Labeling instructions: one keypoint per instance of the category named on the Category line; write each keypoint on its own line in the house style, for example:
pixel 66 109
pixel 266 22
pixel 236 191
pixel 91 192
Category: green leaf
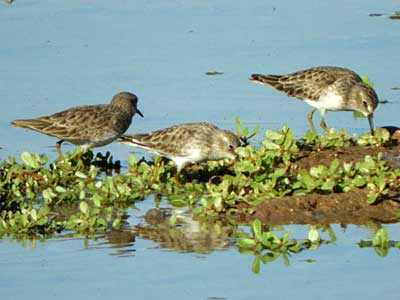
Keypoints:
pixel 34 214
pixel 256 226
pixel 269 257
pixel 247 243
pixel 381 237
pixel 313 234
pixel 238 123
pixel 332 234
pixel 48 195
pixel 328 185
pixel 84 207
pixel 60 189
pixel 29 161
pixel 79 174
pixel 273 135
pixel 269 238
pixel 270 145
pixel 285 258
pixel 172 221
pixel 97 199
pixel 381 182
pixel 116 223
pixel 255 267
pixel 372 197
pixel 359 181
pixel 347 167
pixel 334 165
pixel 382 251
pixel 285 237
pixel 317 171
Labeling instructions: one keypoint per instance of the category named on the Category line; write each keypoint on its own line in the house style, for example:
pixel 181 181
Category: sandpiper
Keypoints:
pixel 325 89
pixel 187 143
pixel 87 126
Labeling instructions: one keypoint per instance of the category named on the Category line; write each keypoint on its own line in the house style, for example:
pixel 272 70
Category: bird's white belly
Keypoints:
pixel 327 101
pixel 195 155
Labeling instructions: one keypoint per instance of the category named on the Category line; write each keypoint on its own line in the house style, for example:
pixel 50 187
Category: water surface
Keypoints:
pixel 55 55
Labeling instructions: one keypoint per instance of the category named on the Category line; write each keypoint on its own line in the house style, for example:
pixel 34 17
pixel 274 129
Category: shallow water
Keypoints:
pixel 68 268
pixel 58 55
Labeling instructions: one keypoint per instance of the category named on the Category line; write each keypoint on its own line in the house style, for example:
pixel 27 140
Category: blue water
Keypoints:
pixel 70 269
pixel 58 54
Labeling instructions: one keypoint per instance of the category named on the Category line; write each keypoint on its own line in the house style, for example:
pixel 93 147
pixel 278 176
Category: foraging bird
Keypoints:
pixel 326 89
pixel 187 143
pixel 87 126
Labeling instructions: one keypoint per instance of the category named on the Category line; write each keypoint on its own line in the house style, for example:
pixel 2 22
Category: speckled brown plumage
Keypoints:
pixel 326 89
pixel 88 126
pixel 310 83
pixel 184 143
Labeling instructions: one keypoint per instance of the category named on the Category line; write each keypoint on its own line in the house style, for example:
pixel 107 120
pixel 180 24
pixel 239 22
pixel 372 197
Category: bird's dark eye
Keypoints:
pixel 231 147
pixel 365 103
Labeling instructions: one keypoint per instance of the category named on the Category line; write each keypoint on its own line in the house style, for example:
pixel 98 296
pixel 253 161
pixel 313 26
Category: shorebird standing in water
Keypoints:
pixel 87 126
pixel 326 89
pixel 187 143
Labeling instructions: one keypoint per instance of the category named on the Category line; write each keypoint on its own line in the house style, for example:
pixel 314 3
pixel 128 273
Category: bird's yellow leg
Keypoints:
pixel 323 124
pixel 58 148
pixel 310 119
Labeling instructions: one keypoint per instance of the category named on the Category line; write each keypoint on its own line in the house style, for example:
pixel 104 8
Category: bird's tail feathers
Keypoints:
pixel 30 124
pixel 132 139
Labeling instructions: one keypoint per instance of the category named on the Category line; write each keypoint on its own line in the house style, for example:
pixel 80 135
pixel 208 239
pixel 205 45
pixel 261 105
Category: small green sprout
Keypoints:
pixel 244 133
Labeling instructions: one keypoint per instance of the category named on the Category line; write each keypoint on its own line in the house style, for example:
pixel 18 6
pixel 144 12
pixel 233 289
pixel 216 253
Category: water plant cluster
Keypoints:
pixel 267 247
pixel 42 198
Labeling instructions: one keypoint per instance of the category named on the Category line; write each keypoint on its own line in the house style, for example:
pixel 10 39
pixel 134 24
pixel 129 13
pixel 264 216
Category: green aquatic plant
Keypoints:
pixel 381 242
pixel 88 195
pixel 32 184
pixel 244 133
pixel 333 139
pixel 271 171
pixel 266 246
pixel 380 138
pixel 213 73
pixel 395 16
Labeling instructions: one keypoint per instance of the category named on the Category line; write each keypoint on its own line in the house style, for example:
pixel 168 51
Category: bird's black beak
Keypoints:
pixel 139 112
pixel 371 123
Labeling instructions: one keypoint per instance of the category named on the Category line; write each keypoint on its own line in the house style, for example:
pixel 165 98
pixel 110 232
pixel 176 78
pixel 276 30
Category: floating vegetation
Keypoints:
pixel 381 242
pixel 267 247
pixel 376 14
pixel 38 198
pixel 395 16
pixel 213 73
